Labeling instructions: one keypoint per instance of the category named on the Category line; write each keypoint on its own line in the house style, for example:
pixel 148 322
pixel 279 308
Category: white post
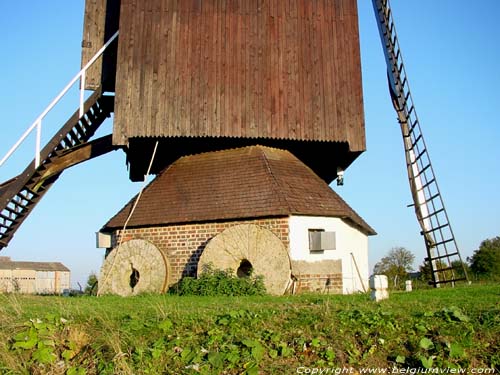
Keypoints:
pixel 38 141
pixel 409 286
pixel 379 285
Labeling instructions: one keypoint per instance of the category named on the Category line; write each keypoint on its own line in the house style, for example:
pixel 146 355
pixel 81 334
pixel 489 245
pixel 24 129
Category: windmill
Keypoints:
pixel 203 76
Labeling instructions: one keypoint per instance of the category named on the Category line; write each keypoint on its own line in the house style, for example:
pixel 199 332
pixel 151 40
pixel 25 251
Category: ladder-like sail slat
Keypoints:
pixel 442 249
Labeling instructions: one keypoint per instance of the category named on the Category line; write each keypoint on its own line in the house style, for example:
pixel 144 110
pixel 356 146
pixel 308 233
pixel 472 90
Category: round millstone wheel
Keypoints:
pixel 250 249
pixel 134 267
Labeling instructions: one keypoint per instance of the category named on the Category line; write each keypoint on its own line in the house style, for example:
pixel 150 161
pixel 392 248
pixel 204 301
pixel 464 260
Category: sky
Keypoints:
pixel 451 53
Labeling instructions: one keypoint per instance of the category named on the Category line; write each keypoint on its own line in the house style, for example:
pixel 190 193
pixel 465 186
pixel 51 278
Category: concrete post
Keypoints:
pixel 409 286
pixel 378 286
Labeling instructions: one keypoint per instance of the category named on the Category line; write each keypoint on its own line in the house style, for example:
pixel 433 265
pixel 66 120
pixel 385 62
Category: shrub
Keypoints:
pixel 215 282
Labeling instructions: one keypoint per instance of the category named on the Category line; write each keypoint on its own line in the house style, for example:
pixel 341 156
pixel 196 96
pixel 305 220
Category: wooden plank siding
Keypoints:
pixel 93 39
pixel 269 69
pixel 100 22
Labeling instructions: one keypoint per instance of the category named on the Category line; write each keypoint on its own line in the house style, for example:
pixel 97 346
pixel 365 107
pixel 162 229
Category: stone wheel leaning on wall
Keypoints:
pixel 249 247
pixel 134 267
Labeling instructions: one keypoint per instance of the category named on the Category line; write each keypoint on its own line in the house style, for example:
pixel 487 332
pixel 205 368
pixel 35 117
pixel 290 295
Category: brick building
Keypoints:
pixel 200 197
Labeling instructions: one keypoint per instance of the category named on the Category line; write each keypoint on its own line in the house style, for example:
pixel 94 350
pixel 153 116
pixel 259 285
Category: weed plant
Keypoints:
pixel 167 334
pixel 215 282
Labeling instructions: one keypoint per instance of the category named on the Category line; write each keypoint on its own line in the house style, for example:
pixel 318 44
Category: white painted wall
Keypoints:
pixel 348 240
pixel 31 281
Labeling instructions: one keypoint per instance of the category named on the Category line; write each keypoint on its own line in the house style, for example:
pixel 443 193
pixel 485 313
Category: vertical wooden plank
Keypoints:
pixel 167 72
pixel 162 65
pixel 243 67
pixel 206 48
pixel 171 90
pixel 295 97
pixel 316 75
pixel 239 68
pixel 213 67
pixel 215 129
pixel 257 70
pixel 293 104
pixel 186 58
pixel 193 64
pixel 181 68
pixel 265 58
pixel 227 125
pixel 348 92
pixel 322 66
pixel 252 72
pixel 138 52
pixel 339 80
pixel 121 100
pixel 154 50
pixel 124 68
pixel 301 67
pixel 274 74
pixel 282 69
pixel 233 94
pixel 251 83
pixel 195 76
pixel 359 141
pixel 222 66
pixel 330 100
pixel 309 76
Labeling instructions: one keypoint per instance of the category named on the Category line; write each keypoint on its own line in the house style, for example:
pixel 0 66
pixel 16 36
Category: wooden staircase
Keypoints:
pixel 69 146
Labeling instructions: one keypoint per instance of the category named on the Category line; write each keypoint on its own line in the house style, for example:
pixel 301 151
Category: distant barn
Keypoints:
pixel 33 277
pixel 203 75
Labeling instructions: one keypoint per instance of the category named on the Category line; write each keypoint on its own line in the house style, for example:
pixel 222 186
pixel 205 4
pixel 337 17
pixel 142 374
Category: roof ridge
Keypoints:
pixel 276 184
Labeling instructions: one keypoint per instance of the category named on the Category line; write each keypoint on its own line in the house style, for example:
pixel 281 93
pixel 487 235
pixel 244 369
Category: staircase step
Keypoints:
pixel 76 131
pixel 11 210
pixel 78 128
pixel 74 137
pixel 7 218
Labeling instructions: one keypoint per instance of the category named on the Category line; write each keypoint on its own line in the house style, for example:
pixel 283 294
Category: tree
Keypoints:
pixel 486 260
pixel 91 287
pixel 395 265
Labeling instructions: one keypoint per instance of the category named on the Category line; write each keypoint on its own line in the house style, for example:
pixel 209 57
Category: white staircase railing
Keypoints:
pixel 37 124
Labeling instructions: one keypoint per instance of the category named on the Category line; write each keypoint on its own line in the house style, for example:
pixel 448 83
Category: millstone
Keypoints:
pixel 136 266
pixel 244 244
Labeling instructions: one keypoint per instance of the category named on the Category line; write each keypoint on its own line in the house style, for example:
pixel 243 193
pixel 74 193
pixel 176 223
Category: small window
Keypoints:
pixel 320 240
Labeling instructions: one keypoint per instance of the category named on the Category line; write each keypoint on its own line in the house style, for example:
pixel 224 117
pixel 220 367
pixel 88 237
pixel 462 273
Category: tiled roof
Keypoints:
pixel 33 266
pixel 248 182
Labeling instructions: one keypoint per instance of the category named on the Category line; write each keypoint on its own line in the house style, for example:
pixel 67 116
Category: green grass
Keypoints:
pixel 155 334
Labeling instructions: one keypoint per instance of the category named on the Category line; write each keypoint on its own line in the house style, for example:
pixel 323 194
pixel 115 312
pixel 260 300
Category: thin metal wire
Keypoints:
pixel 122 231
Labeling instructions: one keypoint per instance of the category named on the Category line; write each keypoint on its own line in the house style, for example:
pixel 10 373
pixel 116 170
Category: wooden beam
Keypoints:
pixel 78 155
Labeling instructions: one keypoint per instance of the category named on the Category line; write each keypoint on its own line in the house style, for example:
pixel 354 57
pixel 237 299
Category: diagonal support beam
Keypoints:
pixel 79 154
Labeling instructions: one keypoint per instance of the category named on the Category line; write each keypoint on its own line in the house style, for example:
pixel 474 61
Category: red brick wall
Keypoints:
pixel 331 283
pixel 183 244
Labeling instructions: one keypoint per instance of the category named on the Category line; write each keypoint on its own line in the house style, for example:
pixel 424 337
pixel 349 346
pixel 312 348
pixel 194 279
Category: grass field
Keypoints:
pixel 153 334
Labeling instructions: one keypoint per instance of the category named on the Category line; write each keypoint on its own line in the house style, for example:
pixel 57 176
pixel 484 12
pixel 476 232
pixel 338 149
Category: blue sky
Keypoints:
pixel 451 52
